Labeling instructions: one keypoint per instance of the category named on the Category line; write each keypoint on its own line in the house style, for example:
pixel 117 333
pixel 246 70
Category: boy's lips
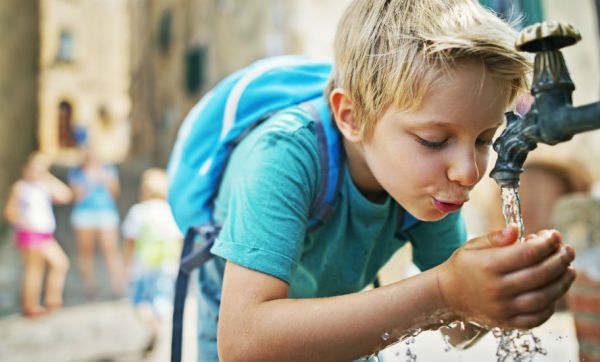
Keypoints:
pixel 447 206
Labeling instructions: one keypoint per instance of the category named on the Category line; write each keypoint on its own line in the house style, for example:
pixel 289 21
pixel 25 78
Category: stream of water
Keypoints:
pixel 515 345
pixel 511 209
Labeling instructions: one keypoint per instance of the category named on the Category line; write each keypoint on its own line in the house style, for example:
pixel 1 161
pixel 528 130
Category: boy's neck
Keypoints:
pixel 361 174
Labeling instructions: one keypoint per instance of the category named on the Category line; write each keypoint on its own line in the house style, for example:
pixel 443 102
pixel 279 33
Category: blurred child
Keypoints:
pixel 151 251
pixel 29 210
pixel 95 218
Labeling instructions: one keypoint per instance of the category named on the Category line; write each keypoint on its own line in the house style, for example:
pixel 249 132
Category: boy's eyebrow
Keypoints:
pixel 438 123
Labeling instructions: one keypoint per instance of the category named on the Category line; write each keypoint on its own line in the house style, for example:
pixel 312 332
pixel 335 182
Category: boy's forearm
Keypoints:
pixel 338 328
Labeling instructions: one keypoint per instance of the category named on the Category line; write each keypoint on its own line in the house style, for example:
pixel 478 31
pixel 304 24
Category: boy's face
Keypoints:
pixel 429 159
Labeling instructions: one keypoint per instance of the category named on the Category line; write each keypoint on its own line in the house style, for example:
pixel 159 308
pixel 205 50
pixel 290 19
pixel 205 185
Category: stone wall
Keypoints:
pixel 231 33
pixel 226 34
pixel 18 87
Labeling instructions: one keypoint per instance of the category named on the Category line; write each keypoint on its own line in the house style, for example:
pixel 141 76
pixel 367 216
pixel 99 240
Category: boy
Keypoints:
pixel 418 91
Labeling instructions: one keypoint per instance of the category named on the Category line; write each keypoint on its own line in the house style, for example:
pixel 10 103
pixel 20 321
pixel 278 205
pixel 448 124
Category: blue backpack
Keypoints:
pixel 216 125
pixel 230 111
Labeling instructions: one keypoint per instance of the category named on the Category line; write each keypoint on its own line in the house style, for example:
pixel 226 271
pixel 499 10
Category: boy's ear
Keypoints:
pixel 341 107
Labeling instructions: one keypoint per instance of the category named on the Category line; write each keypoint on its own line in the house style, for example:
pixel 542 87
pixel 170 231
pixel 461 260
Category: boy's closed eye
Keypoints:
pixel 435 145
pixel 484 140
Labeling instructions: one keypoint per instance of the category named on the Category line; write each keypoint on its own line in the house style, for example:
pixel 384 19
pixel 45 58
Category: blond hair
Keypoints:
pixel 390 52
pixel 154 184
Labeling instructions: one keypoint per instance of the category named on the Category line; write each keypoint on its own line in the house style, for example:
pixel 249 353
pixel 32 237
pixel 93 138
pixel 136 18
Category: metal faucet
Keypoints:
pixel 552 118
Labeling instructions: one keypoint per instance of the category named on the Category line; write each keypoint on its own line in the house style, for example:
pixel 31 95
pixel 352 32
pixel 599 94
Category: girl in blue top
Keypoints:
pixel 95 218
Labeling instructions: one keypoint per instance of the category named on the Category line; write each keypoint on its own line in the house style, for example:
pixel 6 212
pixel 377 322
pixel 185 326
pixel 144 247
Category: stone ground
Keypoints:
pixel 99 332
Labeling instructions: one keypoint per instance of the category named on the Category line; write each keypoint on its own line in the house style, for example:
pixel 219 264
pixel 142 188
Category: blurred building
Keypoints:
pixel 19 32
pixel 127 72
pixel 181 48
pixel 84 78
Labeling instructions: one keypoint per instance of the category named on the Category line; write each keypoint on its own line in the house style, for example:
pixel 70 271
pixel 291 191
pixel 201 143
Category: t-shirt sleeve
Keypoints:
pixel 268 187
pixel 434 242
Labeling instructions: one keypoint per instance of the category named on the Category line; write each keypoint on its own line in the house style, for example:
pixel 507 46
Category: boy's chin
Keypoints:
pixel 429 215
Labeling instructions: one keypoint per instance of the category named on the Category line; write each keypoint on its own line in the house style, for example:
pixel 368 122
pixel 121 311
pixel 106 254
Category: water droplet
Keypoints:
pixel 518 346
pixel 386 336
pixel 411 357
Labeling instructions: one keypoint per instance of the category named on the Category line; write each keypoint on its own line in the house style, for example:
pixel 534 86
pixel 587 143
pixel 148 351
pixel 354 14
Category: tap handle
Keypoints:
pixel 548 35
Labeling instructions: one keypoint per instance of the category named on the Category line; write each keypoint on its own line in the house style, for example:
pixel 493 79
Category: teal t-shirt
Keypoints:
pixel 263 205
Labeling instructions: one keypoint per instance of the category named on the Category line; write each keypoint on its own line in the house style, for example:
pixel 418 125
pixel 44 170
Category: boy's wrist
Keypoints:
pixel 437 313
pixel 442 279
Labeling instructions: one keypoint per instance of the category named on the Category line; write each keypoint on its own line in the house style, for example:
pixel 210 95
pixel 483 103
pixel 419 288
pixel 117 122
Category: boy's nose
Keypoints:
pixel 464 170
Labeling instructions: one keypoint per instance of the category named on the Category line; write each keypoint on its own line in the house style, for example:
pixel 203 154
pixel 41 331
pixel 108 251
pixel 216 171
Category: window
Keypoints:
pixel 65 128
pixel 65 47
pixel 195 64
pixel 165 32
pixel 598 12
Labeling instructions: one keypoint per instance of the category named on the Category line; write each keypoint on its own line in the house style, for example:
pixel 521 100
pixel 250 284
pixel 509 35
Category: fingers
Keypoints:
pixel 533 236
pixel 536 300
pixel 498 238
pixel 532 320
pixel 527 254
pixel 541 274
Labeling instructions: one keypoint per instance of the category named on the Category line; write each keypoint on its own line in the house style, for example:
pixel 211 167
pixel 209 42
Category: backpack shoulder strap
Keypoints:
pixel 332 160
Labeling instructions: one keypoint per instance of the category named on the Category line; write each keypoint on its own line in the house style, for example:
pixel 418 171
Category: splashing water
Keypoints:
pixel 411 357
pixel 518 346
pixel 515 345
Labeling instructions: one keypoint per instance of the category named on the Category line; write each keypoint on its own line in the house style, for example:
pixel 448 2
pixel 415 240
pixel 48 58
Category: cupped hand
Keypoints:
pixel 495 281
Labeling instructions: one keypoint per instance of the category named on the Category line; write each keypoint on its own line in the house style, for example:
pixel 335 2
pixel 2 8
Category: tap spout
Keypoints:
pixel 520 136
pixel 553 118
